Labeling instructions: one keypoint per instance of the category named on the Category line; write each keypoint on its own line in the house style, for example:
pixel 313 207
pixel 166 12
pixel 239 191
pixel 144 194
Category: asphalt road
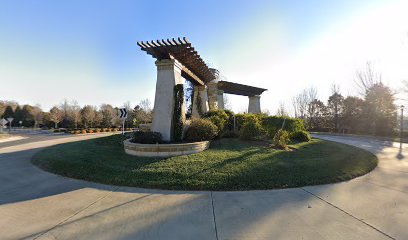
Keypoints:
pixel 38 205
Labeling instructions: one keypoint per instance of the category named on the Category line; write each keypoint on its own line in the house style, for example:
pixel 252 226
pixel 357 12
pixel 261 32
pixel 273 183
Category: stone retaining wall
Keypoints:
pixel 164 150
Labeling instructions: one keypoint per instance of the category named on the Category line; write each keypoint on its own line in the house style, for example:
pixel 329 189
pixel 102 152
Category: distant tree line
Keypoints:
pixel 71 115
pixel 373 113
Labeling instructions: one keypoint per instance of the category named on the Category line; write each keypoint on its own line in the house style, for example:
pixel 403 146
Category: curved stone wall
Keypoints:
pixel 164 150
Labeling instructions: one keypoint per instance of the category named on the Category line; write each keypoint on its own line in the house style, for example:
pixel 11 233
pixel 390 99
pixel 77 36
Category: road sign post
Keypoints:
pixel 10 120
pixel 123 115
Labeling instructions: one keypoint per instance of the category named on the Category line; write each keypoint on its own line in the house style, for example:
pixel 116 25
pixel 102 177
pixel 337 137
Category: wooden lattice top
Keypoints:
pixel 194 68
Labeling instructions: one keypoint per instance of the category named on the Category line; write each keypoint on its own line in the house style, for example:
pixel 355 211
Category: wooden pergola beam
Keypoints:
pixel 182 51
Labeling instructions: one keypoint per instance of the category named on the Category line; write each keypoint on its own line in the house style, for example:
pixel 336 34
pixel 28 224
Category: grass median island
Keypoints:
pixel 230 164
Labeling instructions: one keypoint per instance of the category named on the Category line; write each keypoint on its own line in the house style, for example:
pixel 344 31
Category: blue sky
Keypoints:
pixel 87 51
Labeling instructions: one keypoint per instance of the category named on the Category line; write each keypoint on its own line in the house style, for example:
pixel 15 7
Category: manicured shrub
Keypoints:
pixel 229 125
pixel 251 130
pixel 300 136
pixel 281 139
pixel 77 131
pixel 115 129
pixel 273 123
pixel 97 130
pixel 201 130
pixel 219 118
pixel 146 137
pixel 242 118
pixel 90 131
pixel 83 131
pixel 219 123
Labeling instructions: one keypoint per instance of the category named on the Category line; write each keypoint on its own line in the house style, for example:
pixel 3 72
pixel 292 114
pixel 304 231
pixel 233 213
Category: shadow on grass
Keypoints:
pixel 230 165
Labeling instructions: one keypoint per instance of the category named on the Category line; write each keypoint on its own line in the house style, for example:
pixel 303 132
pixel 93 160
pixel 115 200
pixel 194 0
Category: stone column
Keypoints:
pixel 212 95
pixel 168 75
pixel 202 92
pixel 220 100
pixel 254 105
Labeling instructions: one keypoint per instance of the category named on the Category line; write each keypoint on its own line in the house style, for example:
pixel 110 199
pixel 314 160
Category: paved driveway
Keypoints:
pixel 38 205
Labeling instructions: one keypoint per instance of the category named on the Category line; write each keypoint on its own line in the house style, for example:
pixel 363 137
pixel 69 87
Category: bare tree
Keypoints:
pixel 282 110
pixel 405 88
pixel 301 102
pixel 88 115
pixel 74 112
pixel 56 115
pixel 367 78
pixel 145 105
pixel 295 107
pixel 37 114
pixel 227 103
pixel 98 118
pixel 335 106
pixel 108 115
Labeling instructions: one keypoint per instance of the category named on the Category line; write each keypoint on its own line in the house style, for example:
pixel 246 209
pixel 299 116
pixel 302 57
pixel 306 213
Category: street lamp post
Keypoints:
pixel 402 122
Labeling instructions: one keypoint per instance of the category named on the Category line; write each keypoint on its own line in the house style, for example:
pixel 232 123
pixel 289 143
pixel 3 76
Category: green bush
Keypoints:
pixel 219 118
pixel 201 130
pixel 300 136
pixel 229 125
pixel 281 139
pixel 242 118
pixel 146 137
pixel 230 134
pixel 273 123
pixel 251 130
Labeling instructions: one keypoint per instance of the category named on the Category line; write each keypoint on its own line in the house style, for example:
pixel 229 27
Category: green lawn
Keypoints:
pixel 230 164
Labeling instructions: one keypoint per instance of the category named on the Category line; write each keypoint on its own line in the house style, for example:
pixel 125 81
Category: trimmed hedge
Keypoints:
pixel 242 118
pixel 146 137
pixel 251 130
pixel 300 136
pixel 201 130
pixel 219 118
pixel 272 124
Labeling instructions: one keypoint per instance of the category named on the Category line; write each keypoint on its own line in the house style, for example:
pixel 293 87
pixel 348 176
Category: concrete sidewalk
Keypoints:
pixel 39 205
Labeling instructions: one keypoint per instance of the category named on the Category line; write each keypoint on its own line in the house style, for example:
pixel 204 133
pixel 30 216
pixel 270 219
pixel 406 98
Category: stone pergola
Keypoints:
pixel 177 59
